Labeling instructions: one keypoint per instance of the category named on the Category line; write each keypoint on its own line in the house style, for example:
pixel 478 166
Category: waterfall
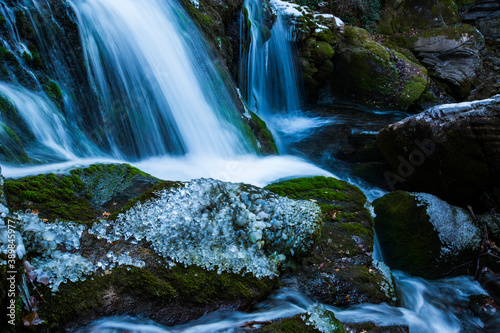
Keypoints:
pixel 55 138
pixel 160 91
pixel 271 83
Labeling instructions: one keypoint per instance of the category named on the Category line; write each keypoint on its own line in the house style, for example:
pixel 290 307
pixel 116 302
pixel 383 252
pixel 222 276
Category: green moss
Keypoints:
pixel 263 135
pixel 54 92
pixel 299 323
pixel 157 287
pixel 11 148
pixel 409 240
pixel 56 197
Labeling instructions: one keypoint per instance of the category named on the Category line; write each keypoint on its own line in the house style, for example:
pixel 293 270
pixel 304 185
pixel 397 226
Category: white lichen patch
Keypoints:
pixel 224 226
pixel 455 227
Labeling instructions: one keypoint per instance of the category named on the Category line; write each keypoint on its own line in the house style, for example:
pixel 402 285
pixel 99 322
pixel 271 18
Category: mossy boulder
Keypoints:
pixel 371 74
pixel 83 195
pixel 339 270
pixel 424 236
pixel 449 151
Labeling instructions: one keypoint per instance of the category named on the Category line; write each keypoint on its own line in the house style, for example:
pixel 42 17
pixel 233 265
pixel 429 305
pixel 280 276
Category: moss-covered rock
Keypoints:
pixel 165 295
pixel 409 15
pixel 424 236
pixel 369 73
pixel 11 148
pixel 83 196
pixel 263 136
pixel 339 270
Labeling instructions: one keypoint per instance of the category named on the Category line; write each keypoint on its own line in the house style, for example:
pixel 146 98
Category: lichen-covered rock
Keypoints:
pixel 451 151
pixel 370 73
pixel 424 236
pixel 339 270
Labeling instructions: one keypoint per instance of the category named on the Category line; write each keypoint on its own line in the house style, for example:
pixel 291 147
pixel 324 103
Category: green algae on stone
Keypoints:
pixel 339 270
pixel 155 292
pixel 263 135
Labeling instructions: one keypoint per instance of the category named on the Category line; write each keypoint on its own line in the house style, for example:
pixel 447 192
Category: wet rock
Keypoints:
pixel 424 236
pixel 372 74
pixel 487 89
pixel 452 55
pixel 339 270
pixel 84 195
pixel 316 319
pixel 451 151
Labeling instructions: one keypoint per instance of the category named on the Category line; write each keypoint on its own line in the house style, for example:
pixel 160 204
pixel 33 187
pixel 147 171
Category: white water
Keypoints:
pixel 47 124
pixel 148 62
pixel 250 169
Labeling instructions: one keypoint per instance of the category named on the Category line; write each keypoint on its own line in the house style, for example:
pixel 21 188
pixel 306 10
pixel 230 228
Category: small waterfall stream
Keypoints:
pixel 161 93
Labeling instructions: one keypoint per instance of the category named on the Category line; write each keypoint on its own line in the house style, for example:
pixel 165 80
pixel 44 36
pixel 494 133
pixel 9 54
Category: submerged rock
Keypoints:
pixel 424 236
pixel 340 269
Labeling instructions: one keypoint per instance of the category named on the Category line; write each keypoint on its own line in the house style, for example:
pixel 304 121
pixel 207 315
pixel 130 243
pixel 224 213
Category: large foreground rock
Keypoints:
pixel 424 236
pixel 452 151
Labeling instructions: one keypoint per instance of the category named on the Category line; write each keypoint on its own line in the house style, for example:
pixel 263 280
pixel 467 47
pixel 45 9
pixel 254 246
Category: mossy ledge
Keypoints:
pixel 83 195
pixel 165 295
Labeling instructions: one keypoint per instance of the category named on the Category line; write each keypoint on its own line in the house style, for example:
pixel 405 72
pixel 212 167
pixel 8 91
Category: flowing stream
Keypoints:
pixel 164 104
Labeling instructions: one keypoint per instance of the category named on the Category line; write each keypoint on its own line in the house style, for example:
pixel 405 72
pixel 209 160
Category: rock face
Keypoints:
pixel 452 151
pixel 369 73
pixel 452 54
pixel 423 235
pixel 485 15
pixel 339 270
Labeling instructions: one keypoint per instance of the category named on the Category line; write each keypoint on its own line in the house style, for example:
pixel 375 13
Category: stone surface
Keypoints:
pixel 369 73
pixel 339 270
pixel 424 236
pixel 452 151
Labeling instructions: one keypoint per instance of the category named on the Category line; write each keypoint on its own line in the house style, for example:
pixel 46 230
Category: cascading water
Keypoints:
pixel 160 91
pixel 271 80
pixel 50 129
pixel 272 75
pixel 438 307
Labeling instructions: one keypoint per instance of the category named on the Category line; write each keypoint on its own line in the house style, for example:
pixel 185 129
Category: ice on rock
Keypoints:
pixel 219 225
pixel 455 227
pixel 321 319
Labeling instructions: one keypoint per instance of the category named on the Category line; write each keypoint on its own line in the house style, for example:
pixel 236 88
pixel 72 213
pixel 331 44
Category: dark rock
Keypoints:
pixel 452 55
pixel 452 151
pixel 487 89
